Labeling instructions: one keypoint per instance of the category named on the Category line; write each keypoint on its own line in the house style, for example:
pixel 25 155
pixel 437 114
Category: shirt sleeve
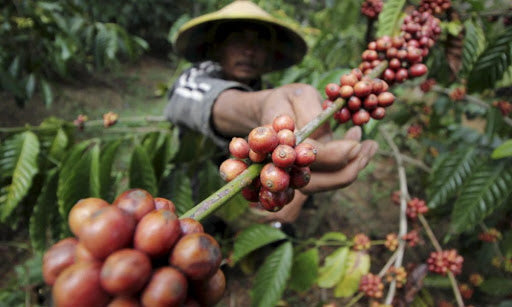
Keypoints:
pixel 192 97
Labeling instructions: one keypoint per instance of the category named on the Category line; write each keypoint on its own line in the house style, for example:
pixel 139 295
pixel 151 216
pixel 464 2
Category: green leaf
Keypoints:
pixel 503 151
pixel 47 92
pixel 181 191
pixel 333 236
pixel 30 86
pixel 492 63
pixel 79 176
pixel 389 18
pixel 304 270
pixel 474 45
pixel 209 179
pixel 483 192
pixel 162 155
pixel 497 286
pixel 254 237
pixel 448 175
pixel 58 146
pixel 44 210
pixel 142 175
pixel 358 264
pixel 233 208
pixel 270 281
pixel 18 160
pixel 334 268
pixel 108 155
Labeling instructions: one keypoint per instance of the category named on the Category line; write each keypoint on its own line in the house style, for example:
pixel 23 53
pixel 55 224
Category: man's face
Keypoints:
pixel 243 55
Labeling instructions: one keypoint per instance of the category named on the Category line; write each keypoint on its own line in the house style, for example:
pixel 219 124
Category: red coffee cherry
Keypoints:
pixel 395 64
pixel 231 168
pixel 379 86
pixel 59 257
pixel 283 156
pixel 306 154
pixel 209 292
pixel 79 286
pixel 286 137
pixel 362 89
pixel 163 203
pixel 257 157
pixel 189 225
pixel 391 53
pixel 283 122
pixel 251 192
pixel 349 79
pixel 167 287
pixel 418 69
pixel 157 232
pixel 401 75
pixel 299 176
pixel 357 72
pixel 274 201
pixel 197 255
pixel 124 301
pixel 346 91
pixel 263 139
pixel 82 210
pixel 239 148
pixel 125 272
pixel 82 254
pixel 371 285
pixel 378 113
pixel 137 202
pixel 274 178
pixel 325 104
pixel 388 75
pixel 343 115
pixel 386 99
pixel 361 117
pixel 107 230
pixel 354 103
pixel 332 90
pixel 370 102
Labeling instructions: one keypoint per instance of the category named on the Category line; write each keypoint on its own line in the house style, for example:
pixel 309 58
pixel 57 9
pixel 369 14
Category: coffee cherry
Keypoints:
pixel 401 75
pixel 444 261
pixel 306 154
pixel 197 255
pixel 361 242
pixel 81 211
pixel 391 242
pixel 274 178
pixel 124 301
pixel 231 168
pixel 326 104
pixel 370 102
pixel 157 232
pixel 378 113
pixel 283 156
pixel 389 75
pixel 162 203
pixel 299 176
pixel 371 285
pixel 348 79
pixel 346 91
pixel 189 225
pixel 283 122
pixel 357 72
pixel 137 202
pixel 257 157
pixel 386 99
pixel 239 148
pixel 82 254
pixel 209 292
pixel 343 115
pixel 55 260
pixel 416 206
pixel 251 192
pixel 274 201
pixel 332 90
pixel 360 117
pixel 263 139
pixel 362 89
pixel 418 69
pixel 286 137
pixel 125 272
pixel 167 287
pixel 379 86
pixel 394 64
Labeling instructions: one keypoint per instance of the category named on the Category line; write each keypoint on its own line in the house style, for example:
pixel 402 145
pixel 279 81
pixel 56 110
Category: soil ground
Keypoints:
pixel 363 207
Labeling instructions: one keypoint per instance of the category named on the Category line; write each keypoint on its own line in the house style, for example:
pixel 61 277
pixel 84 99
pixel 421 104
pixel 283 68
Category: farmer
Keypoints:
pixel 222 95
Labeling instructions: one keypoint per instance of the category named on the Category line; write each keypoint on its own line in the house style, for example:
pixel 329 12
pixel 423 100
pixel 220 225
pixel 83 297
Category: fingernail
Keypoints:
pixel 354 151
pixel 363 162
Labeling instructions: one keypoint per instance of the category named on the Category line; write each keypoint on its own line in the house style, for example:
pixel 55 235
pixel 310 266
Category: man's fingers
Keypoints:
pixel 353 133
pixel 335 154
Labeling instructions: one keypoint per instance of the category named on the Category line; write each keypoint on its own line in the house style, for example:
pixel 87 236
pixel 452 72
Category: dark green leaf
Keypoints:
pixel 483 192
pixel 30 86
pixel 304 270
pixel 474 44
pixel 503 151
pixel 270 281
pixel 492 63
pixel 142 175
pixel 334 268
pixel 209 179
pixel 46 207
pixel 18 160
pixel 497 286
pixel 47 92
pixel 334 236
pixel 233 208
pixel 254 237
pixel 449 173
pixel 181 191
pixel 108 156
pixel 389 18
pixel 162 155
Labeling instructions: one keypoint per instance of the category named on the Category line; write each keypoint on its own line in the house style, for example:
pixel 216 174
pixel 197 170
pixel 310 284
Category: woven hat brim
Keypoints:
pixel 194 38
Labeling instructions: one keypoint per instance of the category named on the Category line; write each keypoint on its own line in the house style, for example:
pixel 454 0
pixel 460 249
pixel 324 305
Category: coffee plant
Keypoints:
pixel 398 86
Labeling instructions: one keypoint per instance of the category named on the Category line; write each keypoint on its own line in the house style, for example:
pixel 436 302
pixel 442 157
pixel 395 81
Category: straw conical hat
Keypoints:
pixel 196 35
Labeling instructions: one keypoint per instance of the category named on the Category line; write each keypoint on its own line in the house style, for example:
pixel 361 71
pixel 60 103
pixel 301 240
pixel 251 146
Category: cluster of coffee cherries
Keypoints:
pixel 371 8
pixel 286 163
pixel 434 7
pixel 391 242
pixel 491 235
pixel 361 242
pixel 371 285
pixel 110 119
pixel 79 122
pixel 458 93
pixel 399 275
pixel 412 238
pixel 505 107
pixel 445 261
pixel 415 207
pixel 427 85
pixel 133 252
pixel 365 98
